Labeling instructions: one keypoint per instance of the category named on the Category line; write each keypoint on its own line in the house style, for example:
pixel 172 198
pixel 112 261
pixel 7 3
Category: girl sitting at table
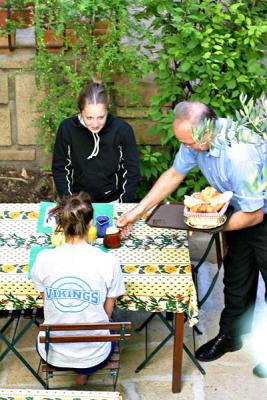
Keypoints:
pixel 77 267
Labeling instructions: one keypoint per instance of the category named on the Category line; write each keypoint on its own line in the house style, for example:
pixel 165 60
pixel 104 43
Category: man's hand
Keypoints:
pixel 164 186
pixel 129 218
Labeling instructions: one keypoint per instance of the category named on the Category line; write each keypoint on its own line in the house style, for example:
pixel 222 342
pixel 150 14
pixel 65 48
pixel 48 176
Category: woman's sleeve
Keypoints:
pixel 61 164
pixel 130 165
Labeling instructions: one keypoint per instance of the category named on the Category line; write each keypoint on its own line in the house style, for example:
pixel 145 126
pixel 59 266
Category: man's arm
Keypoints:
pixel 241 219
pixel 164 186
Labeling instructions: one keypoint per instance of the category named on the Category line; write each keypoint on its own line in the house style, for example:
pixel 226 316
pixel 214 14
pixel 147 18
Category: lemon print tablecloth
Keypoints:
pixel 24 394
pixel 155 264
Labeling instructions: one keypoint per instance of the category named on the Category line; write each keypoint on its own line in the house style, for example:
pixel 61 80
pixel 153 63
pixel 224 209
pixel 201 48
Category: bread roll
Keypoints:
pixel 208 193
pixel 190 201
pixel 216 203
pixel 203 208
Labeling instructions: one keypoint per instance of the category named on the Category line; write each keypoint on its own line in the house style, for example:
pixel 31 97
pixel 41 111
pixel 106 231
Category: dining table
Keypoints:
pixel 155 264
pixel 29 394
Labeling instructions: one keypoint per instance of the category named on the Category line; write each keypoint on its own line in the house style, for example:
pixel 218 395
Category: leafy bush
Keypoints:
pixel 88 51
pixel 204 50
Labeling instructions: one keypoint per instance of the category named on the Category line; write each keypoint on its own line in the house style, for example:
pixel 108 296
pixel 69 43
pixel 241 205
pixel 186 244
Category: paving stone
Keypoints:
pixel 160 390
pixel 234 380
pixel 18 374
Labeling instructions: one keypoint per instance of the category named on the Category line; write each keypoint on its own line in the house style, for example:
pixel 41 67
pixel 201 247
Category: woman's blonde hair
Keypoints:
pixel 94 93
pixel 73 214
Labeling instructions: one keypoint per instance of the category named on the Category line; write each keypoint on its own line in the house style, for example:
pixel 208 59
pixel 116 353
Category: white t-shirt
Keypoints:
pixel 76 280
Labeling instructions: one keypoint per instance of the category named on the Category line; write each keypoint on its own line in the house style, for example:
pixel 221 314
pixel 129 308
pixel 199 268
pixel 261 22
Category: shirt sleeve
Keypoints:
pixel 61 163
pixel 185 160
pixel 116 287
pixel 240 174
pixel 130 165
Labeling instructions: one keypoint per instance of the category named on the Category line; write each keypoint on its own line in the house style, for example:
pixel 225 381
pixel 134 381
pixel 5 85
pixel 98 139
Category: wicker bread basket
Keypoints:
pixel 205 220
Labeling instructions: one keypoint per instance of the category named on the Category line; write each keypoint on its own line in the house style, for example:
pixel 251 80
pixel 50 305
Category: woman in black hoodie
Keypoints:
pixel 96 152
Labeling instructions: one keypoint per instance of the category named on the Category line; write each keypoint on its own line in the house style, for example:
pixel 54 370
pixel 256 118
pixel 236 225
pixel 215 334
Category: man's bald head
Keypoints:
pixel 193 112
pixel 189 115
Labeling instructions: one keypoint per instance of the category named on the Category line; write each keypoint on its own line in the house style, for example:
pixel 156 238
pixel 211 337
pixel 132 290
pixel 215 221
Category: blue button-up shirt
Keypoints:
pixel 228 168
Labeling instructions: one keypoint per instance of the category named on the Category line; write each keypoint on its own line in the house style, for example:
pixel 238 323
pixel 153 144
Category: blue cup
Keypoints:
pixel 102 223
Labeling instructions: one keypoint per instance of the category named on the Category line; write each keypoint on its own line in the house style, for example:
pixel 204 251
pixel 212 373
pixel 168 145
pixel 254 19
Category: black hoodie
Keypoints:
pixel 105 165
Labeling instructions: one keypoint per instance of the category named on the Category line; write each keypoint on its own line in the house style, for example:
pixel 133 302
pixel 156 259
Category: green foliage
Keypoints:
pixel 14 17
pixel 89 51
pixel 155 163
pixel 209 51
pixel 253 115
pixel 204 50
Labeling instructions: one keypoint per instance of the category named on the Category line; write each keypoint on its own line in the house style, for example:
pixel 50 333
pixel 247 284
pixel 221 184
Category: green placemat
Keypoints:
pixel 34 250
pixel 101 247
pixel 99 209
pixel 104 209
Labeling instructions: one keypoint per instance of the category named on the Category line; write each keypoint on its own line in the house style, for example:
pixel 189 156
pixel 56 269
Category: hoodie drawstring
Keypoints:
pixel 96 146
pixel 96 140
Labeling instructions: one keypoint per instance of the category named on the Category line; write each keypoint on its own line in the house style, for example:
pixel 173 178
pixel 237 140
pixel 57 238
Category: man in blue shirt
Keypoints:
pixel 226 166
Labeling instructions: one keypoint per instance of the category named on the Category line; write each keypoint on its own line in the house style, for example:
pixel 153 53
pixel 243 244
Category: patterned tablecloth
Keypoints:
pixel 155 264
pixel 29 394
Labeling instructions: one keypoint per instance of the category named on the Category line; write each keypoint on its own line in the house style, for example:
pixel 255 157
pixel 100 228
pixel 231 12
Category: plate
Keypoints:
pixel 223 220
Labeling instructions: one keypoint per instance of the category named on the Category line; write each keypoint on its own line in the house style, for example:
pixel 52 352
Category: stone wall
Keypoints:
pixel 17 134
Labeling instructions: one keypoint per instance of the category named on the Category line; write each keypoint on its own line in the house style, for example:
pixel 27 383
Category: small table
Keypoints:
pixel 26 394
pixel 155 264
pixel 171 215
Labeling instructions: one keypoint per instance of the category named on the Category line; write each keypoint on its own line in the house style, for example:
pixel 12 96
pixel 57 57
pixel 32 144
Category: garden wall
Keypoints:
pixel 17 133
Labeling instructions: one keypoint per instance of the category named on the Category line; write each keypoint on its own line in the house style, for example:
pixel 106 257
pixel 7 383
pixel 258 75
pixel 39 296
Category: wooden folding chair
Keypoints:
pixel 119 336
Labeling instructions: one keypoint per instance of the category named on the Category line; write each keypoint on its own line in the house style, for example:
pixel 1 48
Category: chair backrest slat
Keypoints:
pixel 89 338
pixel 79 327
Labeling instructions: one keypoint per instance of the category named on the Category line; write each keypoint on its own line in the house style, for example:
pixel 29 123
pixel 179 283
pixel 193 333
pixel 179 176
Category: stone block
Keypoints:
pixel 17 155
pixel 3 88
pixel 132 112
pixel 140 127
pixel 26 112
pixel 127 94
pixel 16 59
pixel 5 126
